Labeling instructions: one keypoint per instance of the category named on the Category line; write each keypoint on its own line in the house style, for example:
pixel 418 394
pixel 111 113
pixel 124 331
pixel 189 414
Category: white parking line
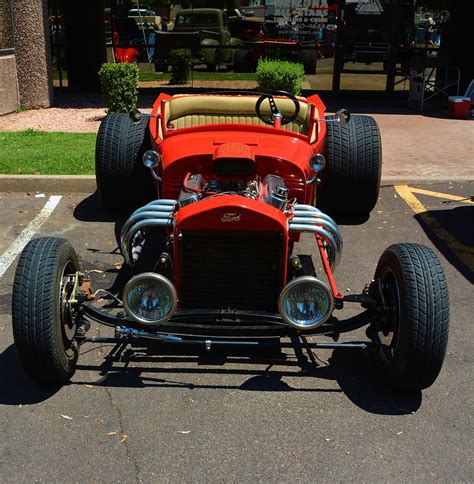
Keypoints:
pixel 27 234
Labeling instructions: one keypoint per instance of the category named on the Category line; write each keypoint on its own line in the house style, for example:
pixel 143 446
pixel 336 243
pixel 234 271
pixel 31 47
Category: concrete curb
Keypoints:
pixel 86 183
pixel 391 180
pixel 48 183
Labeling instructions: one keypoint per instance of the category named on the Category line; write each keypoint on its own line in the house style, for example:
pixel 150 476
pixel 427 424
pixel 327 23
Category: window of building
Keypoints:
pixel 6 28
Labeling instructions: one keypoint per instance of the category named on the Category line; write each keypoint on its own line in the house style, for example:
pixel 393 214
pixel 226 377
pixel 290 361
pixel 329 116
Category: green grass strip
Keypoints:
pixel 32 152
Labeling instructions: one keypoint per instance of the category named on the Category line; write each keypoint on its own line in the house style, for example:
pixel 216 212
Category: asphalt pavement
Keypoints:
pixel 181 415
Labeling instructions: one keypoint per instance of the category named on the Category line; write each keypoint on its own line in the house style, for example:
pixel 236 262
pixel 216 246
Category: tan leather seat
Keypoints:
pixel 185 111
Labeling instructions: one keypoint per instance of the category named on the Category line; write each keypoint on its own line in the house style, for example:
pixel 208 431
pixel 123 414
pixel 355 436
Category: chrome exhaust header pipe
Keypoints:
pixel 158 213
pixel 309 219
pixel 331 228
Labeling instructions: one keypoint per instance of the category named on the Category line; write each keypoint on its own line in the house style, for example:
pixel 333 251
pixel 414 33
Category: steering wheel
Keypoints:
pixel 275 112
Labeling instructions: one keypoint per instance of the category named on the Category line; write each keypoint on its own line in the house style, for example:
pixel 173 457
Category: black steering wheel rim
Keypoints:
pixel 274 108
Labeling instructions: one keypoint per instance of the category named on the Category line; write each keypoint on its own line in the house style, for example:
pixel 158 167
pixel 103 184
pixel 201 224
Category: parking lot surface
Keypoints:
pixel 175 414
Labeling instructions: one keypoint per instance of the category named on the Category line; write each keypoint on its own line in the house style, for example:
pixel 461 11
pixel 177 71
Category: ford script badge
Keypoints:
pixel 231 217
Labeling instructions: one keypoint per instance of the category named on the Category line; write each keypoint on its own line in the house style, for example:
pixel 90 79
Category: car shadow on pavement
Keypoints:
pixel 91 210
pixel 166 366
pixel 113 279
pixel 452 232
pixel 16 387
pixel 163 367
pixel 365 386
pixel 349 220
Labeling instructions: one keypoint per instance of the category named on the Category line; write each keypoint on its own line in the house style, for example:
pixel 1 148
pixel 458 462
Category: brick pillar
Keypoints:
pixel 32 49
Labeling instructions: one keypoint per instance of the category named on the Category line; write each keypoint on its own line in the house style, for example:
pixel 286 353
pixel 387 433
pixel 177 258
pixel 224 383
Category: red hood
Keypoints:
pixel 278 154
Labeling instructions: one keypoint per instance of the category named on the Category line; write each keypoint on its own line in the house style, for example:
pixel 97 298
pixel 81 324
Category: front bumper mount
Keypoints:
pixel 210 328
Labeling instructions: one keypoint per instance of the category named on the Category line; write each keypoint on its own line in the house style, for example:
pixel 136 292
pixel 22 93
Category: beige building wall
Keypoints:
pixel 32 52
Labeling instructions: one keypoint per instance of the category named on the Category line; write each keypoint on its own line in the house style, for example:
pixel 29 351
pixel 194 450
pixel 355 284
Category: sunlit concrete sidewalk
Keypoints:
pixel 421 147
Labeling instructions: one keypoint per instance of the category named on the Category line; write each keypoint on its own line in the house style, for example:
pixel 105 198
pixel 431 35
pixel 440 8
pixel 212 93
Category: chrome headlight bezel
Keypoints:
pixel 151 159
pixel 317 162
pixel 162 280
pixel 289 287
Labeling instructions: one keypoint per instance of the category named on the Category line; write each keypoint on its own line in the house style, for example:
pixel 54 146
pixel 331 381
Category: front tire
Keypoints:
pixel 43 324
pixel 122 180
pixel 215 65
pixel 350 182
pixel 413 333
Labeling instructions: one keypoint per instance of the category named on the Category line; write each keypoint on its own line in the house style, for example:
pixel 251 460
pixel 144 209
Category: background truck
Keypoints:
pixel 262 38
pixel 202 30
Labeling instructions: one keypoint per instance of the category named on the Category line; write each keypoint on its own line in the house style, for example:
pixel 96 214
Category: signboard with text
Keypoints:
pixel 303 18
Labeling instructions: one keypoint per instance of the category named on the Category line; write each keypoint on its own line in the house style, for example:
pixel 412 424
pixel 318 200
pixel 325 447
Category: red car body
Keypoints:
pixel 127 55
pixel 209 253
pixel 290 150
pixel 276 151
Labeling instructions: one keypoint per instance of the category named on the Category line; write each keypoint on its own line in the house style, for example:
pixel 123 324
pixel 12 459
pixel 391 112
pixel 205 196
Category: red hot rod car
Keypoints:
pixel 221 186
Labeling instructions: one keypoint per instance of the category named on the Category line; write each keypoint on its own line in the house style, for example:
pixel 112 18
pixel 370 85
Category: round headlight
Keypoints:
pixel 150 298
pixel 317 162
pixel 305 303
pixel 151 159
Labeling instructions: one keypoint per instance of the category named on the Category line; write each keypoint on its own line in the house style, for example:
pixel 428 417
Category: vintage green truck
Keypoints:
pixel 204 31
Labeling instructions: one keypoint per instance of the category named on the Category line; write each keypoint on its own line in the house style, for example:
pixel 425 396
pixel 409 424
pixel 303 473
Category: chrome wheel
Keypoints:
pixel 388 330
pixel 67 314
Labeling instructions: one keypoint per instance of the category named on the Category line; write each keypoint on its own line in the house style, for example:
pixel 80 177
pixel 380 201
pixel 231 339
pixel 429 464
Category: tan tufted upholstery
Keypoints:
pixel 195 110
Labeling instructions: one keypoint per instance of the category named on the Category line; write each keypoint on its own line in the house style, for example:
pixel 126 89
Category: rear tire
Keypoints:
pixel 122 180
pixel 414 330
pixel 350 182
pixel 242 61
pixel 43 330
pixel 161 67
pixel 308 59
pixel 214 67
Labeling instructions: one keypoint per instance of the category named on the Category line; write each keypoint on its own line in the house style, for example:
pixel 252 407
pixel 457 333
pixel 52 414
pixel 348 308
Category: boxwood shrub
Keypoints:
pixel 119 84
pixel 280 75
pixel 180 60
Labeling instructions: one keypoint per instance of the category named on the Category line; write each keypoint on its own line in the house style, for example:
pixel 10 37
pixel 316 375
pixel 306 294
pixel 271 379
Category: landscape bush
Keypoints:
pixel 277 75
pixel 180 60
pixel 119 84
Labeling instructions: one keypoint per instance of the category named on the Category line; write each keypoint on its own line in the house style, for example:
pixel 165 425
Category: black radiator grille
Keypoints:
pixel 230 270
